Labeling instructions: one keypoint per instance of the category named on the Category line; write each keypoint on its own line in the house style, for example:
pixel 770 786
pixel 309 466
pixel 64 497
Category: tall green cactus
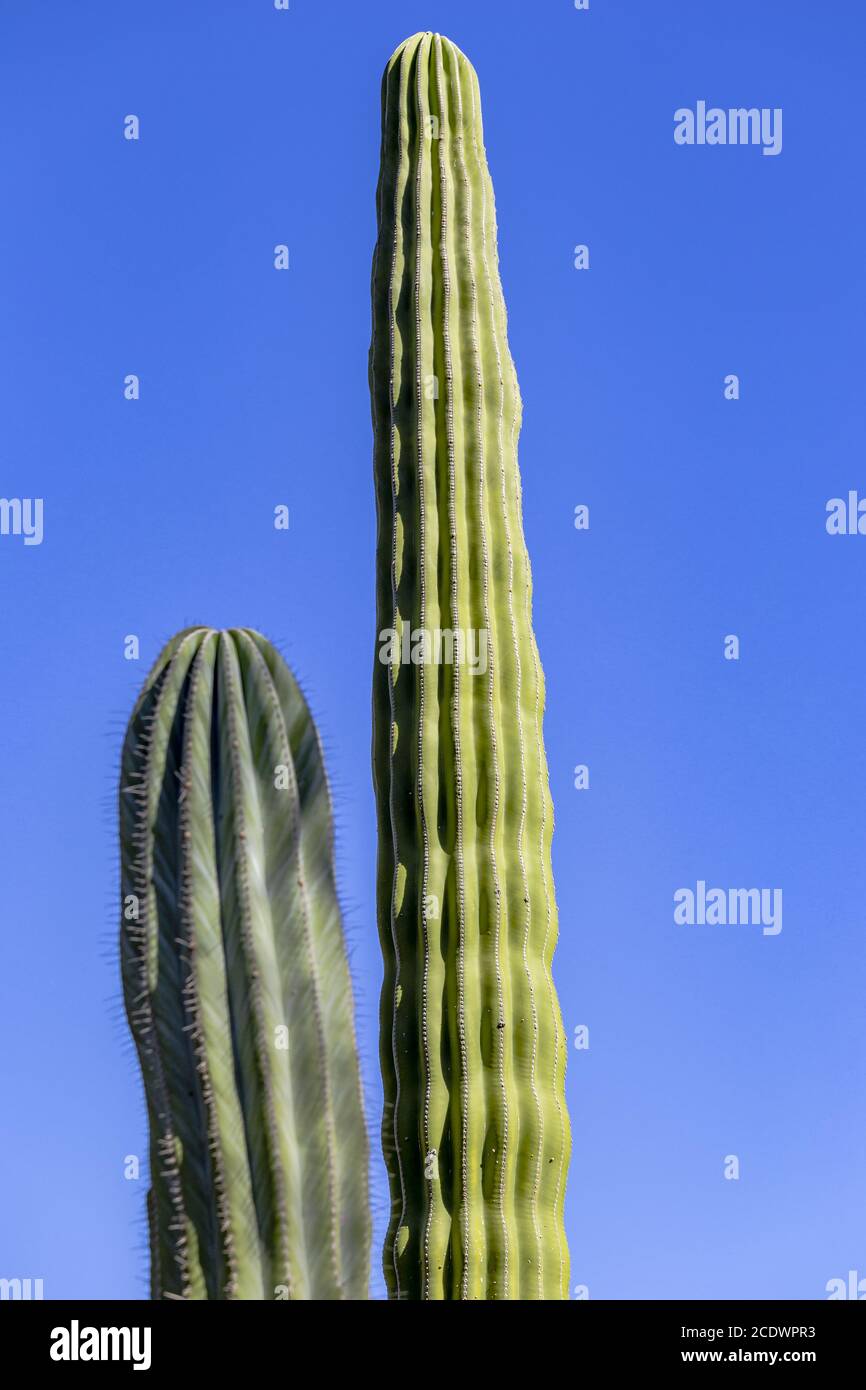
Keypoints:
pixel 236 983
pixel 473 1053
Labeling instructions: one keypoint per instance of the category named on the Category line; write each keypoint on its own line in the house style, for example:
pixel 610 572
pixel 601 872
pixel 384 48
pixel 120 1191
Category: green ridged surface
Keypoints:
pixel 236 983
pixel 475 1128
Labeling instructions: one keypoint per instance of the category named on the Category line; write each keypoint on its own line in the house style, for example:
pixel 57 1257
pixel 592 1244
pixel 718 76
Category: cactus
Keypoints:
pixel 475 1129
pixel 236 983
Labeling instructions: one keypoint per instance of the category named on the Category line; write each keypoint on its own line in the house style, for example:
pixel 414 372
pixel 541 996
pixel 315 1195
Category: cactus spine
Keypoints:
pixel 236 983
pixel 475 1128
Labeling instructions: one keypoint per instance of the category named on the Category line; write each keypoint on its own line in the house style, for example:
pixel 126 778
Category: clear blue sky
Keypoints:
pixel 707 518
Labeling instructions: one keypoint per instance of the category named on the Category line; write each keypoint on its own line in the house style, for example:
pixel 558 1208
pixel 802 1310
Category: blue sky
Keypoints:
pixel 707 518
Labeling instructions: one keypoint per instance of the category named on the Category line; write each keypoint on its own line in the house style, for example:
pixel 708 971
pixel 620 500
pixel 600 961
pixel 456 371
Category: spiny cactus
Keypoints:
pixel 236 983
pixel 473 1053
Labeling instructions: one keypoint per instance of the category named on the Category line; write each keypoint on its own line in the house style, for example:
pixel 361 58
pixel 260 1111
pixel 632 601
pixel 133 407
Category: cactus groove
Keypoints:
pixel 236 983
pixel 475 1129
